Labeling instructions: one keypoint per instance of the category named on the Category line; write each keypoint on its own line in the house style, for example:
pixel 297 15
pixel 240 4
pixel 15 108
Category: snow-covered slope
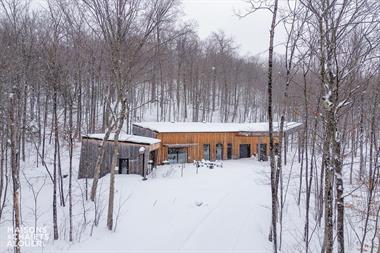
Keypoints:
pixel 219 210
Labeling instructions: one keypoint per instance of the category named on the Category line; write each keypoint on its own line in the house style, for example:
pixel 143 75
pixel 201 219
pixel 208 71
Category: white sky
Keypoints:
pixel 250 33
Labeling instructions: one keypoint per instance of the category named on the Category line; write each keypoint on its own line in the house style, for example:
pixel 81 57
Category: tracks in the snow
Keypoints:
pixel 203 220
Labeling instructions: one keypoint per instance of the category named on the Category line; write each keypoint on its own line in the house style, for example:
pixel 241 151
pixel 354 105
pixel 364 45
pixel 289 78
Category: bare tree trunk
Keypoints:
pixel 307 175
pixel 339 193
pixel 57 149
pixel 274 172
pixel 361 137
pixel 115 157
pixel 44 128
pixel 79 111
pixel 23 130
pixel 2 167
pixel 55 218
pixel 328 195
pixel 352 146
pixel 71 145
pixel 13 112
pixel 101 147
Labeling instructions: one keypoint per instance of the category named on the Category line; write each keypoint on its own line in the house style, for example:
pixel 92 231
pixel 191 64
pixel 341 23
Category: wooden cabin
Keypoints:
pixel 135 152
pixel 183 142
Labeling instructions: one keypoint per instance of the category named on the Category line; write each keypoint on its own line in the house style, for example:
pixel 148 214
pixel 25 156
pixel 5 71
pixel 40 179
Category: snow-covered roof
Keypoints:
pixel 198 127
pixel 125 138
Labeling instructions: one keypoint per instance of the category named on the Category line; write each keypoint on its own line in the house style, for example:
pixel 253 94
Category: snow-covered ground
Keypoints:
pixel 220 210
pixel 217 210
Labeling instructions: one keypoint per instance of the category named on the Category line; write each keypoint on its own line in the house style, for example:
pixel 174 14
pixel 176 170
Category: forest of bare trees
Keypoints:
pixel 69 68
pixel 336 60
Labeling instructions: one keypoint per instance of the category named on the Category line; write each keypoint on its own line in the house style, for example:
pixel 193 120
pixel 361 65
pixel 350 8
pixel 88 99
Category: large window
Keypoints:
pixel 245 150
pixel 206 152
pixel 177 155
pixel 219 151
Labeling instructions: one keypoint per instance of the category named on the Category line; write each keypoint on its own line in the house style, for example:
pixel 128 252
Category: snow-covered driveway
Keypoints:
pixel 219 210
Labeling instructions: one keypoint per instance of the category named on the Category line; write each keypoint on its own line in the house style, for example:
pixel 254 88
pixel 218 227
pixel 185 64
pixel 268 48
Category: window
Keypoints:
pixel 206 152
pixel 245 150
pixel 229 151
pixel 219 151
pixel 177 155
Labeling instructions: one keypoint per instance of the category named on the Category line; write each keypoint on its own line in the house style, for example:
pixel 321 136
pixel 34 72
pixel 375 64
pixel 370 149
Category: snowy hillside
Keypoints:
pixel 136 85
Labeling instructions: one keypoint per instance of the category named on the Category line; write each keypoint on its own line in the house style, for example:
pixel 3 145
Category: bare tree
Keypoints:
pixel 15 165
pixel 274 175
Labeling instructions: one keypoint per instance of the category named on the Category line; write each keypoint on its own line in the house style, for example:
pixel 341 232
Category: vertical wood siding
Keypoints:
pixel 90 151
pixel 196 152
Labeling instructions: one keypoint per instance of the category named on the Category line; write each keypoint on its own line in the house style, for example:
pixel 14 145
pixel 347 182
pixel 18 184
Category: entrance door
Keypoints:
pixel 219 151
pixel 262 152
pixel 152 159
pixel 229 151
pixel 124 166
pixel 245 150
pixel 177 155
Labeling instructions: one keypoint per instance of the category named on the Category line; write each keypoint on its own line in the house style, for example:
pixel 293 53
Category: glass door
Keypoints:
pixel 206 152
pixel 219 151
pixel 245 150
pixel 229 151
pixel 177 155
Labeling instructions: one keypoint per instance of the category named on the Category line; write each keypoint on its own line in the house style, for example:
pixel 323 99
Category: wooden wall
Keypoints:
pixel 90 151
pixel 196 152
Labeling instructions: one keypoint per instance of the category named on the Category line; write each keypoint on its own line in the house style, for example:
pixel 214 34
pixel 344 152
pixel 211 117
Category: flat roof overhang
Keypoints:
pixel 251 134
pixel 155 146
pixel 266 133
pixel 148 146
pixel 184 145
